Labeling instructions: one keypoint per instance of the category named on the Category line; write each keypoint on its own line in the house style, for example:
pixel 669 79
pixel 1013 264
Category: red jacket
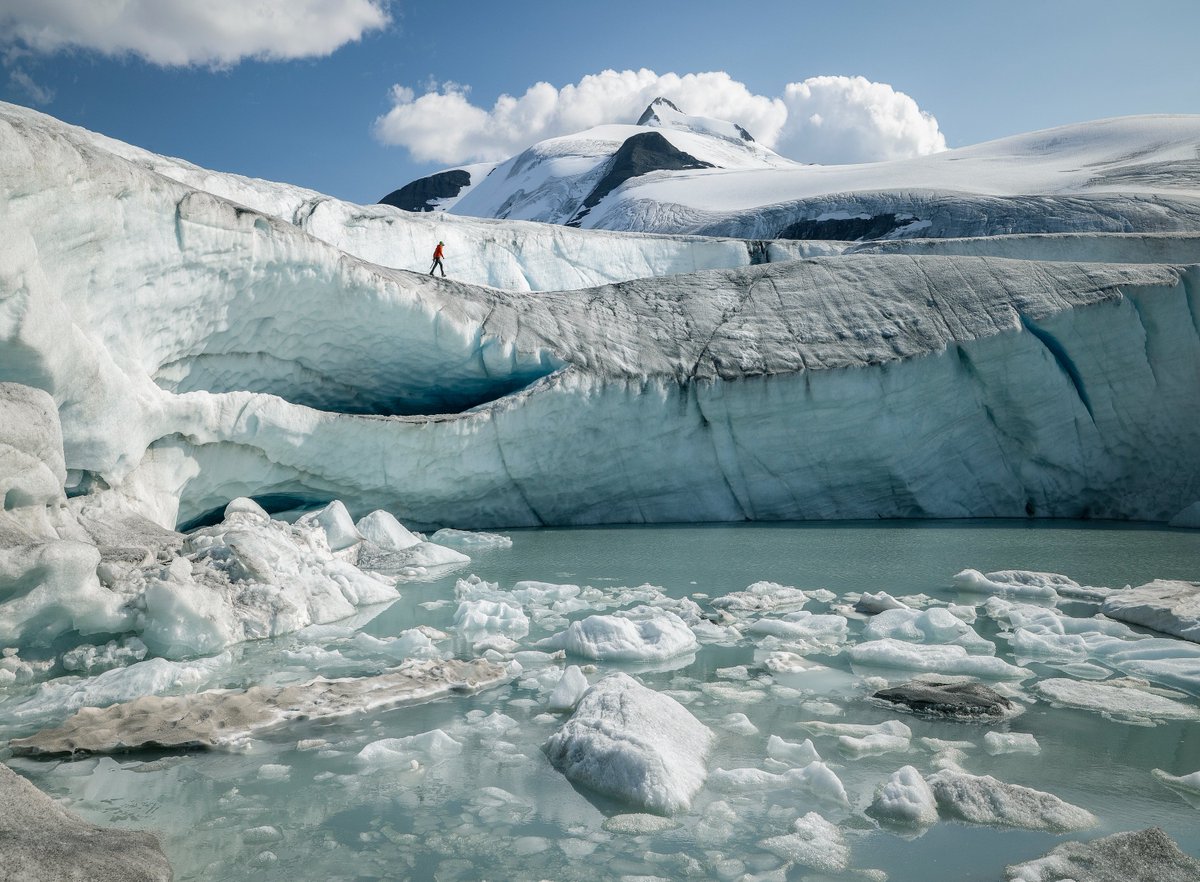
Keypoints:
pixel 437 253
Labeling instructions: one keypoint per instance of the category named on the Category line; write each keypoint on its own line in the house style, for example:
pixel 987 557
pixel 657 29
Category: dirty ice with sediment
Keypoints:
pixel 292 583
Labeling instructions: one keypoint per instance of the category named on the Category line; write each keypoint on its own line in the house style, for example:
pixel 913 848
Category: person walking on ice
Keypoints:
pixel 438 254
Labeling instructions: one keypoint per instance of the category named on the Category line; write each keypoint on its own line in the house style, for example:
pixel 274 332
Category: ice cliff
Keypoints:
pixel 204 339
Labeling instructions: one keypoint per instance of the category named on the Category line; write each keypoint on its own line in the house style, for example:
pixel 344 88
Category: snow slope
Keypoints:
pixel 1129 174
pixel 199 350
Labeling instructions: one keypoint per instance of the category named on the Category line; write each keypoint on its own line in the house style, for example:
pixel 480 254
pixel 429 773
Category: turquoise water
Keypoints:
pixel 499 811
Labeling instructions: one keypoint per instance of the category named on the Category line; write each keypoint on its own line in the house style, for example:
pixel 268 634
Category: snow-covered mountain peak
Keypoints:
pixel 663 113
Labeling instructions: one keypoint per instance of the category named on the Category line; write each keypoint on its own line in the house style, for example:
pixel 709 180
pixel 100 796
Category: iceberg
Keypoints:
pixel 634 744
pixel 981 799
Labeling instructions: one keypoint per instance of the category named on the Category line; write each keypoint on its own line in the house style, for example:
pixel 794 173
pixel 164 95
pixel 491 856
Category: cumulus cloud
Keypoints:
pixel 191 32
pixel 851 119
pixel 823 119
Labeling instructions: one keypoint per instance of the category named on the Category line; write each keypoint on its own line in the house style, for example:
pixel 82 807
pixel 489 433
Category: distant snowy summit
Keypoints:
pixel 677 173
pixel 560 180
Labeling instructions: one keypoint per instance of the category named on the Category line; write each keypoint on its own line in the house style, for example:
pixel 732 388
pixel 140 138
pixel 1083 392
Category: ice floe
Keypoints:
pixel 981 799
pixel 1027 584
pixel 1123 701
pixel 814 842
pixel 1172 607
pixel 941 659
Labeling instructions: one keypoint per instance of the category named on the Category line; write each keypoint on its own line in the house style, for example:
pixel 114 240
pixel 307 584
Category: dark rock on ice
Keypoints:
pixel 423 193
pixel 963 701
pixel 41 842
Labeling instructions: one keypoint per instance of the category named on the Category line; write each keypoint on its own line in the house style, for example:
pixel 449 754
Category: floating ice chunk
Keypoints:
pixel 274 772
pixel 817 778
pixel 739 724
pixel 491 617
pixel 638 824
pixel 430 746
pixel 761 597
pixel 641 634
pixel 905 800
pixel 1144 856
pixel 634 744
pixel 261 835
pixel 1172 607
pixel 1121 701
pixel 857 730
pixel 431 556
pixel 932 626
pixel 870 604
pixel 1187 786
pixel 996 743
pixel 813 842
pixel 873 745
pixel 339 527
pixel 890 653
pixel 1015 583
pixel 571 686
pixel 381 529
pixel 784 662
pixel 984 800
pixel 795 753
pixel 464 540
pixel 804 627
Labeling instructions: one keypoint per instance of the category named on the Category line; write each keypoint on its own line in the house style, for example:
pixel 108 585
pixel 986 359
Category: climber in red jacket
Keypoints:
pixel 438 254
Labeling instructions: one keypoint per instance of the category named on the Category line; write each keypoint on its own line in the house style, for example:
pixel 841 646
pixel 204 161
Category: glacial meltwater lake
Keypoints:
pixel 485 803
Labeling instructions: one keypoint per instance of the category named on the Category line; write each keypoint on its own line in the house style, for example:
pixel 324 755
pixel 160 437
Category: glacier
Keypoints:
pixel 201 350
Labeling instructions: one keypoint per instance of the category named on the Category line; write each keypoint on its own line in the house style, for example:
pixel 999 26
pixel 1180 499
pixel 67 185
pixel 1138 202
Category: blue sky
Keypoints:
pixel 982 70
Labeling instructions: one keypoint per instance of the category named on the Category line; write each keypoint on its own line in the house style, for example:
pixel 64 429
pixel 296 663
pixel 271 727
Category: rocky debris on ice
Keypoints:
pixel 939 659
pixel 814 842
pixel 1143 856
pixel 974 702
pixel 1027 584
pixel 904 800
pixel 981 799
pixel 643 633
pixel 761 597
pixel 633 744
pixel 1171 607
pixel 221 718
pixel 39 840
pixel 1121 700
pixel 935 626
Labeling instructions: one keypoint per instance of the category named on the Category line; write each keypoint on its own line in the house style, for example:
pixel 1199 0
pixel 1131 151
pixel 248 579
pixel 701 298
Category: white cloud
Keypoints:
pixel 823 119
pixel 191 32
pixel 851 119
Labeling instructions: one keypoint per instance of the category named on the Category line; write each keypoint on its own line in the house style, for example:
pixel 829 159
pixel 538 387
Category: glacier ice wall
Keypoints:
pixel 200 350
